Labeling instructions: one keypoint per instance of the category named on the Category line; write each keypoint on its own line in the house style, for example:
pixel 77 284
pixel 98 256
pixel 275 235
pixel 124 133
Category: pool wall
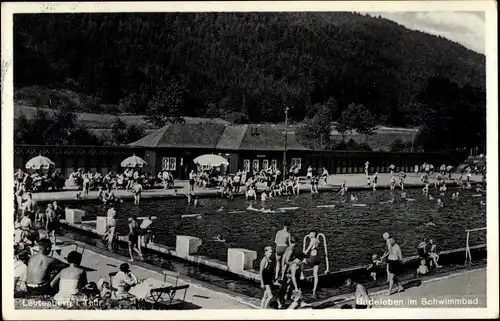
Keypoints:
pixel 240 261
pixel 70 199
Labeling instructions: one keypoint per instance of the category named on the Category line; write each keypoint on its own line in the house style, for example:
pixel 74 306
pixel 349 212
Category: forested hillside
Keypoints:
pixel 223 63
pixel 357 70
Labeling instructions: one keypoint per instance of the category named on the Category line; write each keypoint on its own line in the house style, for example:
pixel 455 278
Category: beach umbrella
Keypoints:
pixel 133 162
pixel 211 160
pixel 39 162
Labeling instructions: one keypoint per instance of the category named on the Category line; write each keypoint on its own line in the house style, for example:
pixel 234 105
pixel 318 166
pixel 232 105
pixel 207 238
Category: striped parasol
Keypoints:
pixel 39 162
pixel 211 160
pixel 133 162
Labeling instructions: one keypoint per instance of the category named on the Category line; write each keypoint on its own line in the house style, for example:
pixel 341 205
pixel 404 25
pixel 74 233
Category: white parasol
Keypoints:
pixel 39 162
pixel 133 161
pixel 211 160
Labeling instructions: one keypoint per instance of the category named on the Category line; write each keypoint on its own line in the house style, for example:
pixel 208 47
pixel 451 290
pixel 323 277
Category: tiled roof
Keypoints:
pixel 220 137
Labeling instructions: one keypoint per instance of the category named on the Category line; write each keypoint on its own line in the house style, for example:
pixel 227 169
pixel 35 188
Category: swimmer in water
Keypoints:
pixel 353 198
pixel 219 238
pixel 189 196
pixel 425 190
pixel 250 194
pixel 220 209
pixel 195 204
pixel 440 203
pixel 343 189
pixel 403 195
pixel 431 198
pixel 263 197
pixel 388 202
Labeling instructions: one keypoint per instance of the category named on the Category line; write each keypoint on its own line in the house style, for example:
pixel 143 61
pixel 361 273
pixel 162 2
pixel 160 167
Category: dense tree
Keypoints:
pixel 166 105
pixel 453 117
pixel 359 118
pixel 59 128
pixel 316 132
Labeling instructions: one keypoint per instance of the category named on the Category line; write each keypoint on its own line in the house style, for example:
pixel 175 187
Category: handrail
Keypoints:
pixel 468 256
pixel 326 252
pixel 325 246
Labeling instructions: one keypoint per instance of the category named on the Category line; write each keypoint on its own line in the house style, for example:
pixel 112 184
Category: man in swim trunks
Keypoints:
pixel 137 190
pixel 51 222
pixel 192 177
pixel 394 262
pixel 266 277
pixel 41 267
pixel 282 241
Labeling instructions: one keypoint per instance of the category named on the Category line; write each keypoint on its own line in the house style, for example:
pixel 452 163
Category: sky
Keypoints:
pixel 466 28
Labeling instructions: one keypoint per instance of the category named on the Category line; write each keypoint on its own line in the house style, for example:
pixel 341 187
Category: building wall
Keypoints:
pixel 180 161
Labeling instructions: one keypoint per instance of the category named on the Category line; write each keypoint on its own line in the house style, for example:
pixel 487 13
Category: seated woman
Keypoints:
pixel 70 280
pixel 123 281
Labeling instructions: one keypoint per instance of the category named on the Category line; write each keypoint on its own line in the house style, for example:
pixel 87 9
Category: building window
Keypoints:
pixel 165 163
pixel 265 164
pixel 255 165
pixel 297 162
pixel 246 165
pixel 274 164
pixel 173 163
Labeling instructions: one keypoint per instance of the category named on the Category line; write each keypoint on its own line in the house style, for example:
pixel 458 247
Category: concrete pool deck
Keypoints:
pixel 468 284
pixel 100 263
pixel 353 181
pixel 443 291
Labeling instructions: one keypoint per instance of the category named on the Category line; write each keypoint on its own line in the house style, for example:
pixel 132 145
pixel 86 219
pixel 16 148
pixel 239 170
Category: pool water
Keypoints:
pixel 352 233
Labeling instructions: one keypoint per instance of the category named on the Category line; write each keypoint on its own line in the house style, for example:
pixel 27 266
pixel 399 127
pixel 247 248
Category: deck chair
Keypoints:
pixel 171 274
pixel 169 301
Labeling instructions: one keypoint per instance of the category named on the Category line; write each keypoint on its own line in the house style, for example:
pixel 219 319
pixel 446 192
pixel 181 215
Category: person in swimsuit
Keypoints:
pixel 361 298
pixel 51 222
pixel 110 228
pixel 296 271
pixel 375 179
pixel 393 183
pixel 133 238
pixel 313 259
pixel 282 241
pixel 40 269
pixel 343 189
pixel 433 254
pixel 394 261
pixel 288 256
pixel 192 176
pixel 422 249
pixel 402 176
pixel 266 277
pixel 137 190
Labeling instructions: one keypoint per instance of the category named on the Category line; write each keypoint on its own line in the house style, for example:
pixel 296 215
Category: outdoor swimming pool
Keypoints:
pixel 352 233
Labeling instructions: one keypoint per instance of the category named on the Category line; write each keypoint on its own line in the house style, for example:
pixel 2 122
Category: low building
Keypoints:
pixel 246 147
